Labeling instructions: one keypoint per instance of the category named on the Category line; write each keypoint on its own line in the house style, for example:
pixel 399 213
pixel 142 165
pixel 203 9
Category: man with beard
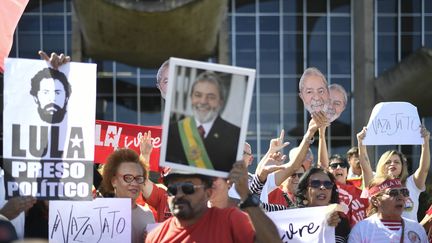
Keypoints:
pixel 194 221
pixel 313 90
pixel 204 140
pixel 51 91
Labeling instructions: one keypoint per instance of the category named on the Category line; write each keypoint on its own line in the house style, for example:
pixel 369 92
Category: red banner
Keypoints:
pixel 10 13
pixel 110 135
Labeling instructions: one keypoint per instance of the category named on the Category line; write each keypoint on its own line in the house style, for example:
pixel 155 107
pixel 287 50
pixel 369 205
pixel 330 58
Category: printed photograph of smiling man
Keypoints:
pixel 210 108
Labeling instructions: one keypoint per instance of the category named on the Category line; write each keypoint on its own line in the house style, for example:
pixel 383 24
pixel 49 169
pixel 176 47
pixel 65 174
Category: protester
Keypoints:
pixel 394 163
pixel 193 221
pixel 317 187
pixel 123 174
pixel 284 194
pixel 265 181
pixel 162 78
pixel 355 171
pixel 385 222
pixel 153 194
pixel 426 222
pixel 349 194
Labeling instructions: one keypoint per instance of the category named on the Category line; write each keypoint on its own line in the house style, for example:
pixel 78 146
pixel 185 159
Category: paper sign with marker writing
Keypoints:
pixel 304 224
pixel 393 123
pixel 100 220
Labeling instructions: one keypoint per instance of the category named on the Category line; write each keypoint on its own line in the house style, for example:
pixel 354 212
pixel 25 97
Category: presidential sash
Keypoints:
pixel 193 144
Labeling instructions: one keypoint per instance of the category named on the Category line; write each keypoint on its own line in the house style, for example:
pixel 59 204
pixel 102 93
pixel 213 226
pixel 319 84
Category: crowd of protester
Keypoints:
pixel 378 205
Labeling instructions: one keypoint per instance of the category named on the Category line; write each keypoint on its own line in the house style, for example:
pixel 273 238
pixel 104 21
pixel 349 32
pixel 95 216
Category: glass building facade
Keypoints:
pixel 278 38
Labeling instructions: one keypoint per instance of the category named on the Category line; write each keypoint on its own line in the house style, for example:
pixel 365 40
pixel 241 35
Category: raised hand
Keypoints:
pixel 146 144
pixel 55 60
pixel 276 144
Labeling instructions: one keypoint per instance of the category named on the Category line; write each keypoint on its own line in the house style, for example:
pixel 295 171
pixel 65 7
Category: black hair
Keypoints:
pixel 207 180
pixel 48 73
pixel 303 185
pixel 340 158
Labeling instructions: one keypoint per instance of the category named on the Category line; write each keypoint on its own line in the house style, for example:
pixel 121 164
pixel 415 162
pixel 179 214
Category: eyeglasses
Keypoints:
pixel 318 184
pixel 335 165
pixel 395 192
pixel 296 174
pixel 128 178
pixel 186 187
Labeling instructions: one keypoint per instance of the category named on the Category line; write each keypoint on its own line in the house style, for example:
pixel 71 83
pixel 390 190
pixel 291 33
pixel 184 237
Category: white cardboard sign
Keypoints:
pixel 101 220
pixel 393 123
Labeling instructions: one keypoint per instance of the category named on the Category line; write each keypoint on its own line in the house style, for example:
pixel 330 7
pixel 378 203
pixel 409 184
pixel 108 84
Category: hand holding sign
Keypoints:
pixel 395 123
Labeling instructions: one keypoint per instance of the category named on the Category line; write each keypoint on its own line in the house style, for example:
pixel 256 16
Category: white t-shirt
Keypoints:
pixel 411 206
pixel 268 187
pixel 374 231
pixel 17 222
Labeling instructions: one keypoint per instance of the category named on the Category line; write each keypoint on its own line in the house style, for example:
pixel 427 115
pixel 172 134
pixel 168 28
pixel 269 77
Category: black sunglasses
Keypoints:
pixel 128 178
pixel 297 174
pixel 318 184
pixel 187 188
pixel 335 165
pixel 395 192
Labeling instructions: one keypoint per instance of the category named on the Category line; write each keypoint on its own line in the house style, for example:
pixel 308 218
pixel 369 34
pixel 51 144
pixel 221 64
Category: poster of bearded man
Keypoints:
pixel 49 127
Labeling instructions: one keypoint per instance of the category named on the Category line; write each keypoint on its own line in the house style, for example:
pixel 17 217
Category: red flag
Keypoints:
pixel 110 135
pixel 10 13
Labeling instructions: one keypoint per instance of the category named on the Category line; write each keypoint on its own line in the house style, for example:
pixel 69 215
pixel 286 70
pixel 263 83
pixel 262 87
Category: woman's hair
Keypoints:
pixel 303 185
pixel 372 209
pixel 114 160
pixel 380 168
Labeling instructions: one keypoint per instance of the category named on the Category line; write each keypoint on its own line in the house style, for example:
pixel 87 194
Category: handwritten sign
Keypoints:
pixel 393 123
pixel 303 225
pixel 101 220
pixel 111 135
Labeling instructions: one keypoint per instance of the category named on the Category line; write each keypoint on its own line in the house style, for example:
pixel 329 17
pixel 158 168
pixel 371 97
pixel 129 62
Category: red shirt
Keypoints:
pixel 276 197
pixel 216 225
pixel 157 202
pixel 350 196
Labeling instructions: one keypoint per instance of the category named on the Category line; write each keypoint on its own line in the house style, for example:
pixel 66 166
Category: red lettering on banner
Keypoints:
pixel 111 135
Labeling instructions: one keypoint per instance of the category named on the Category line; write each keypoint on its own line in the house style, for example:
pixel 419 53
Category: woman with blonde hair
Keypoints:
pixel 394 164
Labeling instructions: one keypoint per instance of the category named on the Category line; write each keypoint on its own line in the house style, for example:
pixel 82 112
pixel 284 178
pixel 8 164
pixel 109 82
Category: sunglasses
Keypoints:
pixel 296 174
pixel 335 165
pixel 187 188
pixel 319 184
pixel 395 192
pixel 128 178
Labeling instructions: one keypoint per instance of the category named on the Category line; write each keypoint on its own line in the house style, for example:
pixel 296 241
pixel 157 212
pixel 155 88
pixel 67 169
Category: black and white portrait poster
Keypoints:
pixel 48 129
pixel 206 116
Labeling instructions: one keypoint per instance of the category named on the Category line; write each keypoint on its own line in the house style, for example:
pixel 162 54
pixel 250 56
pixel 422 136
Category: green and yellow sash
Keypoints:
pixel 193 144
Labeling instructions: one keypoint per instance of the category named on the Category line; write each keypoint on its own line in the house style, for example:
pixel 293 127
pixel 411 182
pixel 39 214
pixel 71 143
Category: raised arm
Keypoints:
pixel 265 229
pixel 146 147
pixel 422 171
pixel 323 156
pixel 318 120
pixel 364 158
pixel 276 144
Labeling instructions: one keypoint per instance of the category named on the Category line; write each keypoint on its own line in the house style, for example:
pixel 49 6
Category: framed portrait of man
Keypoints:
pixel 206 116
